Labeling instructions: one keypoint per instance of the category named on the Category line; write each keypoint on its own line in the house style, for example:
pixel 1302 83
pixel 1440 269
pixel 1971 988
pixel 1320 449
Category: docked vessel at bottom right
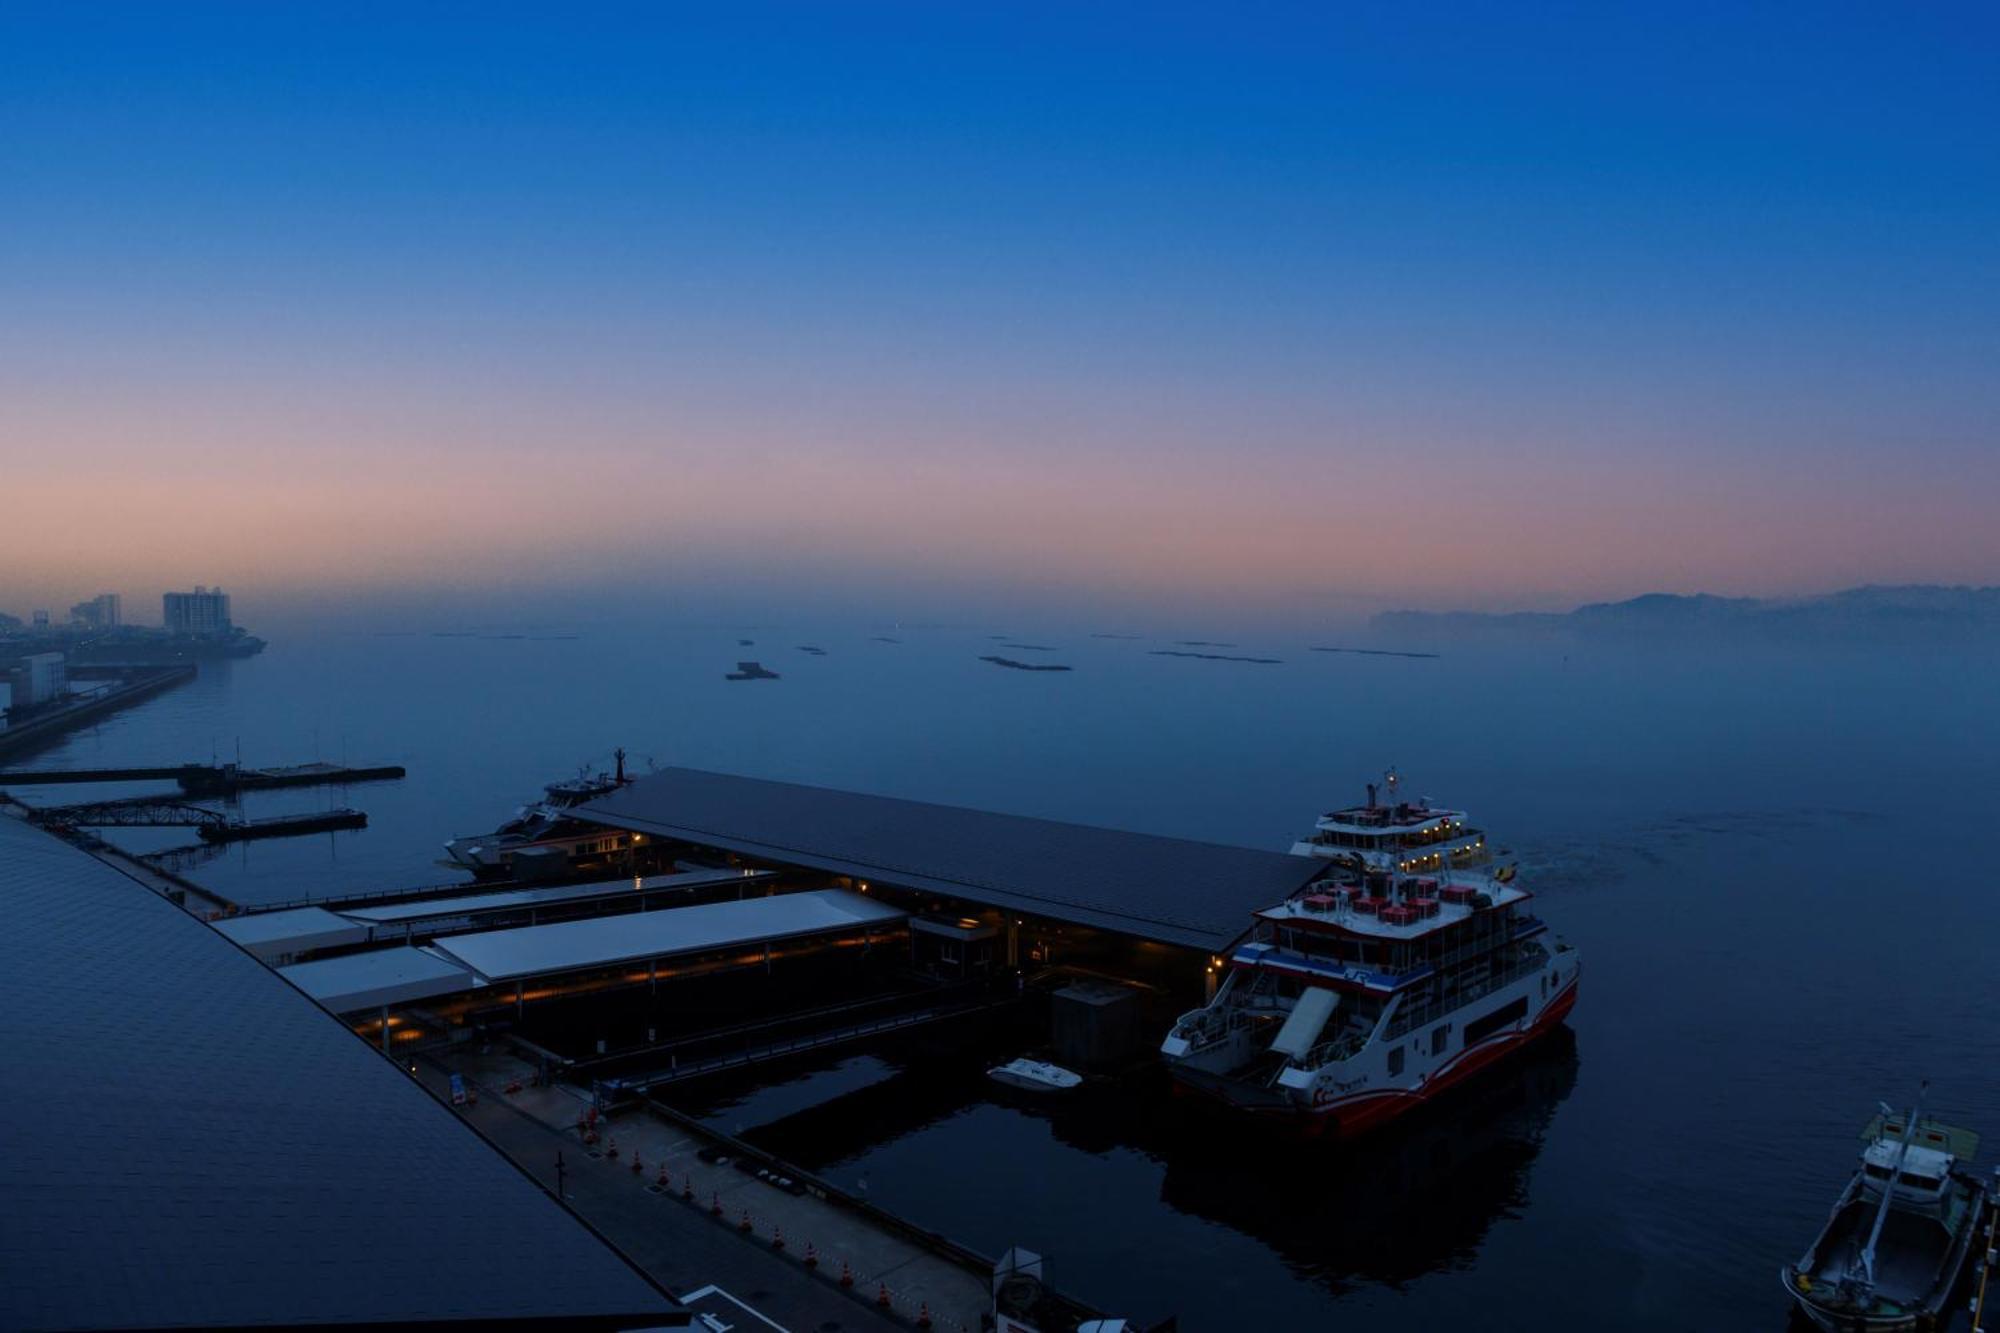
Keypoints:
pixel 1895 1247
pixel 1406 967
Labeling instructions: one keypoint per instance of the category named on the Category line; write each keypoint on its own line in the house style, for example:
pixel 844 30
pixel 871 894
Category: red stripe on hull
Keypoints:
pixel 1372 1112
pixel 1345 1120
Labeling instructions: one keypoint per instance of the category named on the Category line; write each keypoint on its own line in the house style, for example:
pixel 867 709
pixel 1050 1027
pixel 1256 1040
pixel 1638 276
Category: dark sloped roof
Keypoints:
pixel 1197 894
pixel 188 1141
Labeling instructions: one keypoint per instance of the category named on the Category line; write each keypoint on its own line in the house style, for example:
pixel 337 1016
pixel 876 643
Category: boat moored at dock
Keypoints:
pixel 1895 1245
pixel 551 838
pixel 1372 989
pixel 1035 1076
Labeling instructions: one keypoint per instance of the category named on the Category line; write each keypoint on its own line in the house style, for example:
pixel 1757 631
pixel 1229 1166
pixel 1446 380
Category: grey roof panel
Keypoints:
pixel 1197 894
pixel 187 1141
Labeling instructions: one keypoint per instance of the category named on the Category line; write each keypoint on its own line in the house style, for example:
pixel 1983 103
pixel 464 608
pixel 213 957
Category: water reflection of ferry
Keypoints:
pixel 1374 989
pixel 542 839
pixel 1417 1198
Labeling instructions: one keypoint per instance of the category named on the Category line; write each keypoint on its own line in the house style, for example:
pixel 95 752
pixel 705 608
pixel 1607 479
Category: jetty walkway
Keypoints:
pixel 675 1233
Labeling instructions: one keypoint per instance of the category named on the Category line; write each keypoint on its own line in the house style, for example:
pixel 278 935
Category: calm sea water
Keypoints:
pixel 1776 863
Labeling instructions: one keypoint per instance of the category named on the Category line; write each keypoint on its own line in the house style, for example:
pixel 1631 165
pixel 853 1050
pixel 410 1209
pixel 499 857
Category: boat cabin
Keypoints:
pixel 1919 1182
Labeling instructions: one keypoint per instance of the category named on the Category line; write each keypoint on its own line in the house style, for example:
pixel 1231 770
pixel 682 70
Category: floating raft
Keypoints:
pixel 282 826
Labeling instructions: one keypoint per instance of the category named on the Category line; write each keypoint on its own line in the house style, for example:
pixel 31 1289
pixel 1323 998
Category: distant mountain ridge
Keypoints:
pixel 1919 610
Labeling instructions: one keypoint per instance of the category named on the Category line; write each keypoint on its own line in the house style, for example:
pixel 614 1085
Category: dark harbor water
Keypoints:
pixel 1776 863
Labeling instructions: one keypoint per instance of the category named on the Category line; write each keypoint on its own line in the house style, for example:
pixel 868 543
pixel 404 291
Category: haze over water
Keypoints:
pixel 1773 860
pixel 623 336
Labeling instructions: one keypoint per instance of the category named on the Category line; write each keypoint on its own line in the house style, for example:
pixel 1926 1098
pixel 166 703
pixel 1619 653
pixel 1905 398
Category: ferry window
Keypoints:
pixel 1438 1036
pixel 1481 1028
pixel 1395 1061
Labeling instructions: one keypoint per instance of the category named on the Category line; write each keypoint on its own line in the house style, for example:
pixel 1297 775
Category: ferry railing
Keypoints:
pixel 1203 1029
pixel 1340 1048
pixel 1416 1016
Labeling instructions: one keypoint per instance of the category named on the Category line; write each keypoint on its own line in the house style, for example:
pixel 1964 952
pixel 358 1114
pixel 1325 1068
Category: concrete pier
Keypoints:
pixel 922 1274
pixel 212 779
pixel 46 728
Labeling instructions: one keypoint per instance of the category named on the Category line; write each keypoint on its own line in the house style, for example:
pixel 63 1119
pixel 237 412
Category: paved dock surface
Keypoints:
pixel 684 1246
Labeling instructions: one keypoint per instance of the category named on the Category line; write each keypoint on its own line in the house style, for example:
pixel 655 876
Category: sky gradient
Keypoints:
pixel 1261 308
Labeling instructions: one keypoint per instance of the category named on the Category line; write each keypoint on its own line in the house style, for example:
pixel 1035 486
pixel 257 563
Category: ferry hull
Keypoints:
pixel 1359 1115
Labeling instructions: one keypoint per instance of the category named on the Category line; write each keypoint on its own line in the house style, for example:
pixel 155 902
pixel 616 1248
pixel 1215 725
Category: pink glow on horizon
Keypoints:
pixel 429 494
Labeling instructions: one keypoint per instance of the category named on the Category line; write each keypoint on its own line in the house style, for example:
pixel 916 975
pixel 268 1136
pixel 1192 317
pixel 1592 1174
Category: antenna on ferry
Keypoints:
pixel 1867 1280
pixel 619 755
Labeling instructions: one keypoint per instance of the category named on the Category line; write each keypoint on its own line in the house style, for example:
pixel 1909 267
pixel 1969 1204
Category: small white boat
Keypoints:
pixel 1035 1076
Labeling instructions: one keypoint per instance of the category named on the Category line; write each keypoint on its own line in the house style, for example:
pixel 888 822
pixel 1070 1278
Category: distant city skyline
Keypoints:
pixel 1288 313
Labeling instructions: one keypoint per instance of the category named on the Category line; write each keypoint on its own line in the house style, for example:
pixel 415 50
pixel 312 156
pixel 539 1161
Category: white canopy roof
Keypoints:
pixel 470 904
pixel 270 935
pixel 503 955
pixel 359 981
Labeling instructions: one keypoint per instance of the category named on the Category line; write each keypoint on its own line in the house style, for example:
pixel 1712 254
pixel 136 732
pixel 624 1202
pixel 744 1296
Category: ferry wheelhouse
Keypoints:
pixel 1374 989
pixel 1394 834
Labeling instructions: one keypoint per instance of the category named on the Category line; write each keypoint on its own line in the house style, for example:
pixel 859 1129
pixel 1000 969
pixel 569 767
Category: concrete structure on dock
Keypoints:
pixel 39 680
pixel 192 1143
pixel 973 874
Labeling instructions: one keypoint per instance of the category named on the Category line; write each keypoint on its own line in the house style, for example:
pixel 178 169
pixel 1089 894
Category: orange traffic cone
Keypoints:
pixel 924 1315
pixel 612 1150
pixel 812 1257
pixel 662 1181
pixel 715 1206
pixel 638 1167
pixel 687 1188
pixel 882 1296
pixel 846 1274
pixel 777 1238
pixel 744 1225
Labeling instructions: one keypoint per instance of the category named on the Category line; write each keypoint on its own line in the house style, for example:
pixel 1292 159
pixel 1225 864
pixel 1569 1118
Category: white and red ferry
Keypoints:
pixel 1406 968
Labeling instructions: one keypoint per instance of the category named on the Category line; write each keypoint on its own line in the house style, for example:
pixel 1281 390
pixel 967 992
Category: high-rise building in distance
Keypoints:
pixel 104 611
pixel 203 611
